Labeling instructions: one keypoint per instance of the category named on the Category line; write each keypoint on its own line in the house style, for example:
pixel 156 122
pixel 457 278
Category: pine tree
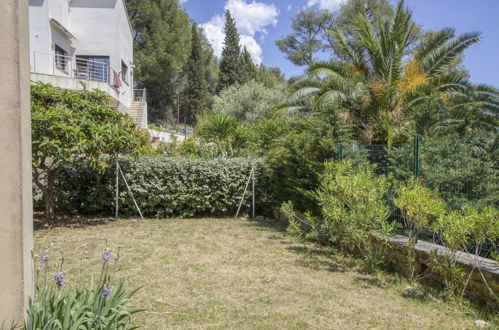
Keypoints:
pixel 230 63
pixel 247 66
pixel 196 92
pixel 161 40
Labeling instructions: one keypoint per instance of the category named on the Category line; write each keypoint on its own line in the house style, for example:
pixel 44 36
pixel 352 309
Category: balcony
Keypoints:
pixel 74 67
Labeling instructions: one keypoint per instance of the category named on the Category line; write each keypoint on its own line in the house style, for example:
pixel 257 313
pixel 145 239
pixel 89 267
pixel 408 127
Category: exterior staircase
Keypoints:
pixel 138 110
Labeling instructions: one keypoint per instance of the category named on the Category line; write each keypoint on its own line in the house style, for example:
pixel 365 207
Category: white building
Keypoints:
pixel 86 40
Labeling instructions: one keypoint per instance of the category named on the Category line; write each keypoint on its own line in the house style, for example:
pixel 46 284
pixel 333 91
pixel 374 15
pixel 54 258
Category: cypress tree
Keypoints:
pixel 230 68
pixel 196 91
pixel 247 66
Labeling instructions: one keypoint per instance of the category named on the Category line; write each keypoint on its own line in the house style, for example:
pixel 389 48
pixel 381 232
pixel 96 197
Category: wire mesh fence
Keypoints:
pixel 465 171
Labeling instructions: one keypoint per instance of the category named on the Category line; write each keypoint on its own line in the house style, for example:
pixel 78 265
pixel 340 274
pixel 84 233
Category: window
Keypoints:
pixel 124 72
pixel 61 58
pixel 93 68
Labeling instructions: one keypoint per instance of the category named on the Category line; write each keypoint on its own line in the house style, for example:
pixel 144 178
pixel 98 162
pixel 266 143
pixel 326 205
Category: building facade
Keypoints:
pixel 90 41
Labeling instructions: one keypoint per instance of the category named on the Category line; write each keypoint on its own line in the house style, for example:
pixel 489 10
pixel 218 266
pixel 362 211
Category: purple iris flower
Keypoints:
pixel 59 279
pixel 106 255
pixel 44 258
pixel 106 292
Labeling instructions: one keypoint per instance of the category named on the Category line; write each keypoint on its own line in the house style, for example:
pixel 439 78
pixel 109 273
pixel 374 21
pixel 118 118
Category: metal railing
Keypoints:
pixel 140 95
pixel 73 67
pixel 464 171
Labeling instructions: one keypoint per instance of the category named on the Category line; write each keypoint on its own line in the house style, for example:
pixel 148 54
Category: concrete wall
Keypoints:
pixel 476 290
pixel 100 28
pixel 16 231
pixel 74 84
pixel 59 10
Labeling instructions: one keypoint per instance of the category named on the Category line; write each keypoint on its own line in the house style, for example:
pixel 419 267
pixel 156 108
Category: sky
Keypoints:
pixel 262 22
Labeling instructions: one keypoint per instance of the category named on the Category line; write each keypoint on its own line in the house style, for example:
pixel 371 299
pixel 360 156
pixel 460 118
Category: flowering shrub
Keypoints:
pixel 164 187
pixel 353 210
pixel 466 230
pixel 97 305
pixel 419 206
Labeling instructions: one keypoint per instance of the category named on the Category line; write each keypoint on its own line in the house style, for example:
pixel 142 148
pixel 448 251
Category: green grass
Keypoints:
pixel 227 273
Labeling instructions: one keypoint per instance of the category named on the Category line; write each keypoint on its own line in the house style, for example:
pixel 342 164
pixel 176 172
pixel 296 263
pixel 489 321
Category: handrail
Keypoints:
pixel 73 67
pixel 140 95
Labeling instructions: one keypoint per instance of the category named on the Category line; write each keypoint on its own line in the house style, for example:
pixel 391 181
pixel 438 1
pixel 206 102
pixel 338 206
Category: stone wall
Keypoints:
pixel 397 257
pixel 476 290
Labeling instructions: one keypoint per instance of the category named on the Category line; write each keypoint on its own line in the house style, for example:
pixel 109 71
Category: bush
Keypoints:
pixel 249 102
pixel 191 148
pixel 468 230
pixel 69 127
pixel 296 160
pixel 419 206
pixel 164 187
pixel 353 210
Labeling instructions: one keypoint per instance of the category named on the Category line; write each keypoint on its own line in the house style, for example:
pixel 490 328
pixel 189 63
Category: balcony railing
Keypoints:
pixel 73 67
pixel 140 95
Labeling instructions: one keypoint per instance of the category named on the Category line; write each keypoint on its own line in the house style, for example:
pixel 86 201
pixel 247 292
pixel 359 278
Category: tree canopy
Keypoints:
pixel 70 127
pixel 383 77
pixel 162 40
pixel 230 62
pixel 196 92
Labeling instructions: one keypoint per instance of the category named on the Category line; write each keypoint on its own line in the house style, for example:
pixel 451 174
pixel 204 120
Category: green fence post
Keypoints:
pixel 416 156
pixel 340 152
pixel 185 127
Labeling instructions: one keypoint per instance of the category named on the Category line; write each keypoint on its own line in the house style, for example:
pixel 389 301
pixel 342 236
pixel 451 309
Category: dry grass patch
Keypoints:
pixel 226 273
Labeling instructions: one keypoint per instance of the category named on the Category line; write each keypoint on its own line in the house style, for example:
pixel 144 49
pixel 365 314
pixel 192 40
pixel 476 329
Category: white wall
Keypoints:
pixel 44 34
pixel 125 47
pixel 39 35
pixel 59 10
pixel 100 28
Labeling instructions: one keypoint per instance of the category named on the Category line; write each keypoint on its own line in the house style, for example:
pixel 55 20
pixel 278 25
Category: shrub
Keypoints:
pixel 469 230
pixel 296 160
pixel 74 126
pixel 191 148
pixel 227 132
pixel 353 210
pixel 419 206
pixel 249 102
pixel 164 187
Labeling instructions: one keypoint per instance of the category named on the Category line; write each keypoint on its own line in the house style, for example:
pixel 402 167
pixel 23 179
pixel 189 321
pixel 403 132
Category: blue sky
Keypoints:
pixel 262 22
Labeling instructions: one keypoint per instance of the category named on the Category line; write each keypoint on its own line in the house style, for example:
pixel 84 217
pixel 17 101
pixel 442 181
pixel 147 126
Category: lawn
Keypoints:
pixel 227 273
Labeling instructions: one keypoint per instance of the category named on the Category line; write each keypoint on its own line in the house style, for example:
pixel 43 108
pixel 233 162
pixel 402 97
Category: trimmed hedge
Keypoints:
pixel 164 187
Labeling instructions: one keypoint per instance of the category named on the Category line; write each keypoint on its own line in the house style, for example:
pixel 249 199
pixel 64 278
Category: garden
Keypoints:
pixel 363 194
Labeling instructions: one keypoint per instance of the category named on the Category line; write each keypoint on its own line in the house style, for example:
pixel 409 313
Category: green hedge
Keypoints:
pixel 164 187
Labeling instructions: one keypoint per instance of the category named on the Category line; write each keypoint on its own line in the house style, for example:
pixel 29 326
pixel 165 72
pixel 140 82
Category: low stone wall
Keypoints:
pixel 476 289
pixel 396 255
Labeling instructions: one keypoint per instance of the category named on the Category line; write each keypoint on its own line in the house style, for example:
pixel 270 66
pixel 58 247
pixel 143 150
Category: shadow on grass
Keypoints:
pixel 265 225
pixel 319 258
pixel 40 223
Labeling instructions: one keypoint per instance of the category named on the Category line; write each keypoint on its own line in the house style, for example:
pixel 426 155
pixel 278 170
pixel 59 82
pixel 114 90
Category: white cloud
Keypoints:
pixel 251 18
pixel 214 31
pixel 289 7
pixel 325 4
pixel 253 48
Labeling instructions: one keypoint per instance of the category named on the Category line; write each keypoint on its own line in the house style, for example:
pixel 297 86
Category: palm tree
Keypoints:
pixel 380 82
